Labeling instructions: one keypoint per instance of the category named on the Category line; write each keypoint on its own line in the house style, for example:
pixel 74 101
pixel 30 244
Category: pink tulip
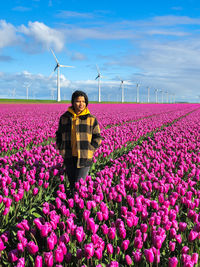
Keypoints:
pixel 13 255
pixel 38 261
pixel 111 233
pixel 98 253
pixel 48 258
pixel 192 236
pixel 195 257
pixel 80 235
pixel 125 244
pixel 59 256
pixel 182 226
pixel 2 247
pixel 109 248
pixel 50 243
pixel 128 260
pixel 138 243
pixel 172 246
pixel 89 250
pixel 172 262
pixel 137 255
pixel 32 248
pixel 143 227
pixel 185 250
pixel 149 255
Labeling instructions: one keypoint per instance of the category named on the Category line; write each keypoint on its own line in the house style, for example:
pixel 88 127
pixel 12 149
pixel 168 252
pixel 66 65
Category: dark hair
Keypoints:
pixel 77 94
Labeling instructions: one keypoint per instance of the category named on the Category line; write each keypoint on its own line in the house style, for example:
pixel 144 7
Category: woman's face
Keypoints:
pixel 79 104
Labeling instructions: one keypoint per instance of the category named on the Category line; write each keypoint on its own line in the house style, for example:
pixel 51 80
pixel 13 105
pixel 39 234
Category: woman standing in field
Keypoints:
pixel 77 138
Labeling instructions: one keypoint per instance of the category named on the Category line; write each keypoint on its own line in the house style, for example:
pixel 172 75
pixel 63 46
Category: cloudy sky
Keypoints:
pixel 155 44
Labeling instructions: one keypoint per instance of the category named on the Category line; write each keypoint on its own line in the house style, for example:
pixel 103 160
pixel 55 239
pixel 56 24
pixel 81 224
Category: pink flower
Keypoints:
pixel 138 243
pixel 143 227
pixel 128 260
pixel 157 241
pixel 137 255
pixel 50 243
pixel 125 244
pixel 113 264
pixel 45 229
pixel 104 229
pixel 13 255
pixel 48 258
pixel 2 247
pixel 89 250
pixel 59 256
pixel 38 261
pixel 178 238
pixel 71 202
pixel 80 235
pixel 100 216
pixel 192 236
pixel 35 191
pixel 109 248
pixel 172 262
pixel 111 233
pixel 185 250
pixel 98 253
pixel 32 248
pixel 86 214
pixel 38 223
pixel 149 255
pixel 20 247
pixel 195 257
pixel 182 226
pixel 172 246
pixel 21 262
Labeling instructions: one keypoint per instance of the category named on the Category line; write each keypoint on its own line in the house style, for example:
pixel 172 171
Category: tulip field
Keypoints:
pixel 139 205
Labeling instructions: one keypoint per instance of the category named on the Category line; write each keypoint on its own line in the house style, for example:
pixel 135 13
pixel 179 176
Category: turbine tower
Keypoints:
pixel 99 86
pixel 162 95
pixel 156 92
pixel 58 65
pixel 27 87
pixel 167 96
pixel 148 96
pixel 122 87
pixel 138 94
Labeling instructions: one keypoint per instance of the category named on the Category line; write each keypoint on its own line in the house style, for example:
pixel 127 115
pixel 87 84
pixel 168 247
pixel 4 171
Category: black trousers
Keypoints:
pixel 74 174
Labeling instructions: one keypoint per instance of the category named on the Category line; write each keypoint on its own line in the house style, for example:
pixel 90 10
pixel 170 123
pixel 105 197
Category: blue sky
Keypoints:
pixel 155 44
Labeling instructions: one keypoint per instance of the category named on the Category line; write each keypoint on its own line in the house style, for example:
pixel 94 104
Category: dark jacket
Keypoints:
pixel 87 136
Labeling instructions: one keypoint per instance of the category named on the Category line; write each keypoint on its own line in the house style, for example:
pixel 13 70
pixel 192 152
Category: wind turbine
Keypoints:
pixel 99 76
pixel 14 93
pixel 58 65
pixel 122 87
pixel 156 92
pixel 27 87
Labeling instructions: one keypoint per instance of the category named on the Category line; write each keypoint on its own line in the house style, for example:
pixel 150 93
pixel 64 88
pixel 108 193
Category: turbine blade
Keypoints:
pixel 51 74
pixel 67 66
pixel 54 55
pixel 97 76
pixel 56 67
pixel 97 69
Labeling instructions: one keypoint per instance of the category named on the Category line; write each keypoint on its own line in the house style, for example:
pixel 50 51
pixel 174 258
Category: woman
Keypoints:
pixel 77 138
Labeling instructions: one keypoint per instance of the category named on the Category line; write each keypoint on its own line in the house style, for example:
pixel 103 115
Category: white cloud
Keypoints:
pixel 7 34
pixel 78 56
pixel 73 14
pixel 44 35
